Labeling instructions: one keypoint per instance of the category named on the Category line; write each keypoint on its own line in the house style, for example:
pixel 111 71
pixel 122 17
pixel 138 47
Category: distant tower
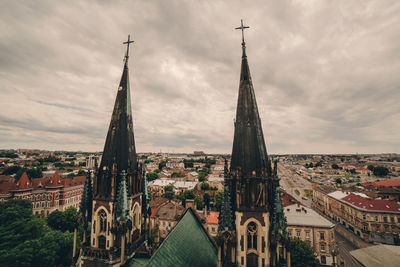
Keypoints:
pixel 117 189
pixel 259 222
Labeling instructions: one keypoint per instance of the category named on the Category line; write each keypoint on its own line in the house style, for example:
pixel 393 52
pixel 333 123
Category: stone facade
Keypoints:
pixel 373 220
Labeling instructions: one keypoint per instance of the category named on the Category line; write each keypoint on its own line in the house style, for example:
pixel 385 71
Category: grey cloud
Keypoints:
pixel 325 73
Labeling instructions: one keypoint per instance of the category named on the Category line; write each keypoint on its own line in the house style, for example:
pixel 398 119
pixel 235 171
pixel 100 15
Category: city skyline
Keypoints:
pixel 324 90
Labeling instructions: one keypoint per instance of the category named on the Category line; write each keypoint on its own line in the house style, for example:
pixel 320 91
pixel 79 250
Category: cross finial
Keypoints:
pixel 242 28
pixel 127 46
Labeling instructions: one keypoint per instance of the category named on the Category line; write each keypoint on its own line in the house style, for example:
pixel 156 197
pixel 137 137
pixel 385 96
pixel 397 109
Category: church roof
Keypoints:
pixel 249 152
pixel 188 244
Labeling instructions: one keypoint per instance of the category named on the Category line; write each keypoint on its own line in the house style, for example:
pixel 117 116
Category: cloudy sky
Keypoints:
pixel 326 73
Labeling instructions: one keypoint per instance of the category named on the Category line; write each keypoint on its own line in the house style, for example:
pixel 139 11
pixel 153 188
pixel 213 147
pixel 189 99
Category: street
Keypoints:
pixel 344 248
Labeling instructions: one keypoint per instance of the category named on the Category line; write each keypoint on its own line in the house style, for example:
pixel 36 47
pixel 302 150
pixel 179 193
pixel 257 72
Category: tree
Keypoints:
pixel 207 199
pixel 205 186
pixel 162 164
pixel 55 220
pixel 188 163
pixel 169 192
pixel 371 168
pixel 218 199
pixel 202 176
pixel 338 181
pixel 189 194
pixel 25 240
pixel 11 170
pixel 150 176
pixel 199 203
pixel 82 172
pixel 335 166
pixel 176 174
pixel 63 221
pixel 301 254
pixel 380 171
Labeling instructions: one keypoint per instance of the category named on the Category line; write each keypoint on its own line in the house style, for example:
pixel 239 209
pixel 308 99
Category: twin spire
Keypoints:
pixel 249 153
pixel 119 152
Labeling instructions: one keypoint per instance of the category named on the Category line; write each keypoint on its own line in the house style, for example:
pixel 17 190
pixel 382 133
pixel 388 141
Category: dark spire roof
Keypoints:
pixel 119 150
pixel 249 152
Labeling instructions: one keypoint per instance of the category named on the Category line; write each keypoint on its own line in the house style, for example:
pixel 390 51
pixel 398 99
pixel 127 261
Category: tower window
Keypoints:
pixel 252 235
pixel 103 221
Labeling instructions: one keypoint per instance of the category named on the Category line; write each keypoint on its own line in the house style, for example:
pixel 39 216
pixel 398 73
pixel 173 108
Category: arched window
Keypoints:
pixel 252 235
pixel 103 221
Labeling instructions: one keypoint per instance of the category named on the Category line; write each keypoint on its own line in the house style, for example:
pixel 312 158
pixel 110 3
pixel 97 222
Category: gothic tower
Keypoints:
pixel 253 186
pixel 117 189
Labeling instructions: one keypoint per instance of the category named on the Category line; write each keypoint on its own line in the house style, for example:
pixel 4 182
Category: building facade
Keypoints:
pixel 309 226
pixel 374 220
pixel 46 194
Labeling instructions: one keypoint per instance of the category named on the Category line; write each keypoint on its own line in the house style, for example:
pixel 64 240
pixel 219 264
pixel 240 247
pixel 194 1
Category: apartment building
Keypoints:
pixel 309 226
pixel 374 220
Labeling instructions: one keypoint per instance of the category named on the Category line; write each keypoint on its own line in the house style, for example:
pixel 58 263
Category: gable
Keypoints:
pixel 186 245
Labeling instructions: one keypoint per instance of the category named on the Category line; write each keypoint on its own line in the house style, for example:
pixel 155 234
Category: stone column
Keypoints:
pixel 75 240
pixel 219 257
pixel 122 248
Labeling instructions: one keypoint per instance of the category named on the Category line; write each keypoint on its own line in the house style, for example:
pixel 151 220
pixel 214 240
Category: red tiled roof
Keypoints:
pixel 7 184
pixel 153 212
pixel 24 182
pixel 55 180
pixel 73 181
pixel 212 217
pixel 287 199
pixel 386 183
pixel 40 182
pixel 158 201
pixel 372 204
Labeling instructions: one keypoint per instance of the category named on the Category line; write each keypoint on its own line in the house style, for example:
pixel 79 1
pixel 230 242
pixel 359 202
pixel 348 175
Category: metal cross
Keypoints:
pixel 127 47
pixel 242 28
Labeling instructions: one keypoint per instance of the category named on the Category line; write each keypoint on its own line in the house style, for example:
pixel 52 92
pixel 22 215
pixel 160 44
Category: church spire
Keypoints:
pixel 249 152
pixel 119 150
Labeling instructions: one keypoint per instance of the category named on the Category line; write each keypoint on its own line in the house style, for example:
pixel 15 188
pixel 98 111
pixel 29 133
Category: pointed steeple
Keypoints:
pixel 85 207
pixel 119 150
pixel 278 215
pixel 122 199
pixel 225 218
pixel 249 152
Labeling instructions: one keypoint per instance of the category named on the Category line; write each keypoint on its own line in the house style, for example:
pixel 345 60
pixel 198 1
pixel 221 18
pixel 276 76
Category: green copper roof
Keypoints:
pixel 85 207
pixel 186 245
pixel 122 199
pixel 225 218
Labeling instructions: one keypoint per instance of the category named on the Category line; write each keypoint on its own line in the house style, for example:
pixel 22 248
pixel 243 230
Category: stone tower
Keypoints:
pixel 253 186
pixel 117 189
